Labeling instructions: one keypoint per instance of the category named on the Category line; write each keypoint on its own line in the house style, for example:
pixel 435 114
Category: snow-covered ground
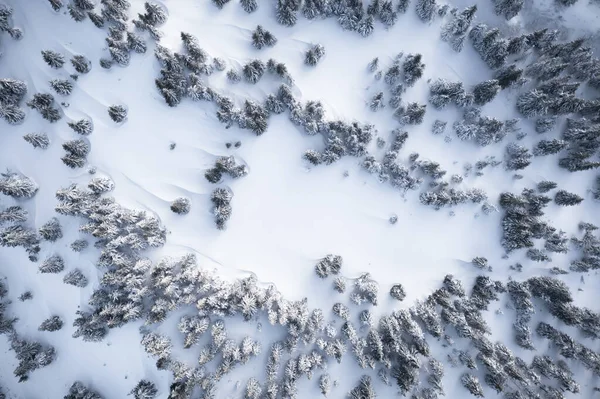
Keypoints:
pixel 286 214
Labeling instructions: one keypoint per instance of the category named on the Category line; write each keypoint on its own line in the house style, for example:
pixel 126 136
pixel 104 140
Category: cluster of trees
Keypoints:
pixel 5 22
pixel 13 231
pixel 445 196
pixel 589 246
pixel 221 199
pixel 406 73
pixel 121 232
pixel 45 105
pixel 262 38
pixel 569 348
pixel 583 143
pixel 484 130
pixel 12 92
pixel 455 31
pixel 330 264
pixel 76 153
pixel 225 165
pixel 521 223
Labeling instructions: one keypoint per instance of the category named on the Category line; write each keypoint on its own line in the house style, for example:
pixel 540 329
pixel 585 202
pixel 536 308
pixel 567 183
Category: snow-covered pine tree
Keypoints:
pixel 455 31
pixel 51 230
pixel 485 91
pixel 546 185
pixel 508 8
pixel 314 55
pixel 53 59
pixel 425 9
pixel 37 140
pixel 254 70
pixel 413 69
pixel 53 323
pixel 566 198
pixel 181 205
pixel 117 113
pixel 62 86
pixel 75 277
pixel 81 64
pixel 82 126
pixel 397 292
pixel 249 5
pixel 17 185
pixel 80 391
pixel 364 389
pixel 549 147
pixel 144 389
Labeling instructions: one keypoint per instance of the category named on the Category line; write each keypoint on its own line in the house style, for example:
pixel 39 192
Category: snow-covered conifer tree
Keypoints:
pixel 254 70
pixel 144 389
pixel 81 64
pixel 485 92
pixel 53 59
pixel 314 55
pixel 37 140
pixel 425 9
pixel 455 31
pixel 117 113
pixel 62 86
pixel 565 198
pixel 508 8
pixel 80 391
pixel 413 69
pixel 397 292
pixel 17 185
pixel 51 230
pixel 53 323
pixel 75 277
pixel 181 206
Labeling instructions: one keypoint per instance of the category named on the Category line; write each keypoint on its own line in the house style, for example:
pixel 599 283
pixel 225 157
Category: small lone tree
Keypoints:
pixel 397 292
pixel 314 55
pixel 181 206
pixel 117 113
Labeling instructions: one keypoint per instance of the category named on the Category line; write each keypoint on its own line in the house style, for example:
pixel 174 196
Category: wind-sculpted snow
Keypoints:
pixel 288 199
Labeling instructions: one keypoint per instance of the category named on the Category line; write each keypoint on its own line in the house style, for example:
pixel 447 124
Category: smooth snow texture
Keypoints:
pixel 286 215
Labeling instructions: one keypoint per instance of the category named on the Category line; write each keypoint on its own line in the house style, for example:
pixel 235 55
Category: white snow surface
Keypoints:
pixel 286 215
